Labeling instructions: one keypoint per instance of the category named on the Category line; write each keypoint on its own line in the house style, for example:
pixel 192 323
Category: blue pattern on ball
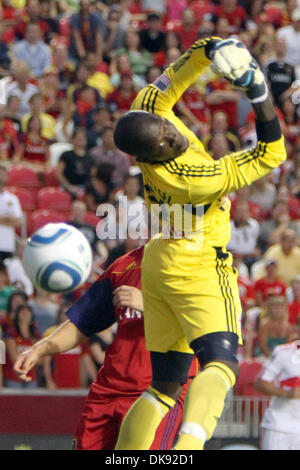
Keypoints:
pixel 47 240
pixel 44 280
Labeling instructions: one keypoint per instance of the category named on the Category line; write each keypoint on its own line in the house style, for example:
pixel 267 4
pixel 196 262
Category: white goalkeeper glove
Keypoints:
pixel 232 60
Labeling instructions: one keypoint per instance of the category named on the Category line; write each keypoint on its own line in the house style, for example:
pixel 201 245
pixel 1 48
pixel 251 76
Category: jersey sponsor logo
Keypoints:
pixel 131 314
pixel 162 83
pixel 131 266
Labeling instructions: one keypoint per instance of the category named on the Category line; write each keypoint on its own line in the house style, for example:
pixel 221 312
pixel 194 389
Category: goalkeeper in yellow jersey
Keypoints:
pixel 189 287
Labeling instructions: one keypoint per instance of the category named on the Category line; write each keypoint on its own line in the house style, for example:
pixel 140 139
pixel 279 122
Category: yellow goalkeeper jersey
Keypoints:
pixel 194 178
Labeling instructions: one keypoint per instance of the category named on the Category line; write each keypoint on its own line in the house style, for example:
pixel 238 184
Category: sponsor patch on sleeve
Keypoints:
pixel 162 83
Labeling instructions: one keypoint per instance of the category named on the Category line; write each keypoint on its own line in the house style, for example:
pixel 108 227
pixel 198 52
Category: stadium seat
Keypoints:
pixel 26 197
pixel 92 219
pixel 40 218
pixel 54 199
pixel 51 178
pixel 56 151
pixel 23 177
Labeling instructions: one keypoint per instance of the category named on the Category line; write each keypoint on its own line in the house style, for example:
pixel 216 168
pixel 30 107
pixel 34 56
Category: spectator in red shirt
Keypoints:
pixel 36 147
pixel 234 13
pixel 122 98
pixel 294 307
pixel 188 31
pixel 32 15
pixel 19 337
pixel 246 291
pixel 221 97
pixel 270 285
pixel 256 211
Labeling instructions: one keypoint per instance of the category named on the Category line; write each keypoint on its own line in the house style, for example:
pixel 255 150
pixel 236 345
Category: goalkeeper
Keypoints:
pixel 189 287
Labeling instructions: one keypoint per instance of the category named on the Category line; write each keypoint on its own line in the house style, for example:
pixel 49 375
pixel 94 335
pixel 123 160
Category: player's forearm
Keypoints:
pixel 64 339
pixel 268 388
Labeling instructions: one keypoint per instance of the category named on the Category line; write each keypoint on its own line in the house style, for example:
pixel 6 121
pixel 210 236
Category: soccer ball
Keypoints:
pixel 58 258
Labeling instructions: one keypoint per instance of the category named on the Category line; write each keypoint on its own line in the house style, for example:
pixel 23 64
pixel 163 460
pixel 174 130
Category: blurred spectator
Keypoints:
pixel 4 55
pixel 244 233
pixel 291 35
pixel 48 14
pixel 222 28
pixel 294 306
pixel 246 291
pixel 101 118
pixel 219 146
pixel 107 152
pixel 154 5
pixel 12 113
pixel 16 298
pixel 5 289
pixel 274 329
pixel 22 87
pixel 152 74
pixel 136 207
pixel 219 124
pixel 140 59
pixel 222 97
pixel 33 51
pixel 293 203
pixel 52 95
pixel 9 138
pixel 152 37
pixel 281 74
pixel 291 119
pixel 188 30
pixel 273 228
pixel 35 146
pixel 75 166
pixel 121 99
pixel 263 193
pixel 20 337
pixel 86 99
pixel 175 8
pixel 15 269
pixel 234 13
pixel 243 195
pixel 44 309
pixel 98 78
pixel 10 218
pixel 287 255
pixel 99 189
pixel 61 62
pixel 113 34
pixel 77 220
pixel 279 379
pixel 37 110
pixel 270 285
pixel 120 250
pixel 86 32
pixel 121 65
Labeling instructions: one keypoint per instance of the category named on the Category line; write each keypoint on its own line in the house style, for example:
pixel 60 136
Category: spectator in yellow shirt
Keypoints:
pixel 287 255
pixel 48 123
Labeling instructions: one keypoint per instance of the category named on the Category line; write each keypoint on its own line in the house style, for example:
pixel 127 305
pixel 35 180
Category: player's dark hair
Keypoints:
pixel 133 134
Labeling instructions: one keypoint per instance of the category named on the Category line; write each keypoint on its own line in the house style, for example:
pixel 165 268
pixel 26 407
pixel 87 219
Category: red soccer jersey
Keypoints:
pixel 294 312
pixel 127 366
pixel 267 288
pixel 22 345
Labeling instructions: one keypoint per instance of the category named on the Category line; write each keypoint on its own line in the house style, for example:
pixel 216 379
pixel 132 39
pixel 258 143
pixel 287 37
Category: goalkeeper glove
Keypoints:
pixel 232 60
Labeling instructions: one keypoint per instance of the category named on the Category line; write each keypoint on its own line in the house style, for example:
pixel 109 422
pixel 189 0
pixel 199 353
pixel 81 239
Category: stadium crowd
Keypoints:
pixel 69 69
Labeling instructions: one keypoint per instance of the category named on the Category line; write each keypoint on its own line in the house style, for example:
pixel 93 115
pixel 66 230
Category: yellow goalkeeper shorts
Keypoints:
pixel 187 294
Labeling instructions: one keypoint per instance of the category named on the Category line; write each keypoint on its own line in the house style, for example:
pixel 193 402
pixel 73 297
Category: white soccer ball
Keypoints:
pixel 58 258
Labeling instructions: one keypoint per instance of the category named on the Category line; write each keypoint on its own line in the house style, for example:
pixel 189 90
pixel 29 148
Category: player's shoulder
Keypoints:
pixel 285 349
pixel 132 258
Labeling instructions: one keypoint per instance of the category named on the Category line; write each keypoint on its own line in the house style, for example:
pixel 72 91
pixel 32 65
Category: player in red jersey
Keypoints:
pixel 127 372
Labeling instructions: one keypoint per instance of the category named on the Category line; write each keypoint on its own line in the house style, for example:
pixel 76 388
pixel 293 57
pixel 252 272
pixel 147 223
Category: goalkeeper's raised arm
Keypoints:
pixel 153 134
